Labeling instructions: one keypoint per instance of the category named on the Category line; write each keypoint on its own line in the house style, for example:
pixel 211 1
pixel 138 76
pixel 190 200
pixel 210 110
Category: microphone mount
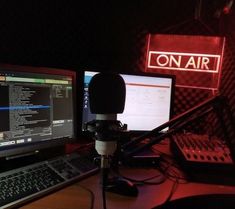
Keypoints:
pixel 105 129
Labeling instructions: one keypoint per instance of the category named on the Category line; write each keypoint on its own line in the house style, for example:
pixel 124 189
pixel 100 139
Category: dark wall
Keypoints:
pixel 110 35
pixel 99 34
pixel 76 35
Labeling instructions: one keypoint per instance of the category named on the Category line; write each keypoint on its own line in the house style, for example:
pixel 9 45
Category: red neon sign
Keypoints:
pixel 184 61
pixel 195 60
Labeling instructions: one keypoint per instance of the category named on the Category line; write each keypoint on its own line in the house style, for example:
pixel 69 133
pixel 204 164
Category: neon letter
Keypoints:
pixel 191 61
pixel 205 61
pixel 173 60
pixel 162 56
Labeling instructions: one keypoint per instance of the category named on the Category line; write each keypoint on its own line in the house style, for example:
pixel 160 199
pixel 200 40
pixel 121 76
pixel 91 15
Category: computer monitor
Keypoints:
pixel 36 108
pixel 148 104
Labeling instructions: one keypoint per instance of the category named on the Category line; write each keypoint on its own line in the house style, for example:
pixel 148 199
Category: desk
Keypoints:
pixel 76 197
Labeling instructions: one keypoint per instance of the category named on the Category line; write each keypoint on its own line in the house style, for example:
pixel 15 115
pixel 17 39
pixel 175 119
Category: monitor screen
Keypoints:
pixel 148 102
pixel 36 108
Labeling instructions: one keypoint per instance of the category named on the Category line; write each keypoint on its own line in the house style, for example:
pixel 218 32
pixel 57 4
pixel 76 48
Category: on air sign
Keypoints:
pixel 190 58
pixel 184 61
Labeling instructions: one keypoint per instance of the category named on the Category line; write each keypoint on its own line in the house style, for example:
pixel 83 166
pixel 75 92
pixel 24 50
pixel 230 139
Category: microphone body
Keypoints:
pixel 107 93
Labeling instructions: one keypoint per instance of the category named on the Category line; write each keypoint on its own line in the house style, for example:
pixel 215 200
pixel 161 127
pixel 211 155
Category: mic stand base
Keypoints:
pixel 121 186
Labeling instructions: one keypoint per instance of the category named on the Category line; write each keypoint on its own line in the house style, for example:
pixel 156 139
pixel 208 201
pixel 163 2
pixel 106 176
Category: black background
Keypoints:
pixel 104 34
pixel 111 35
pixel 4 114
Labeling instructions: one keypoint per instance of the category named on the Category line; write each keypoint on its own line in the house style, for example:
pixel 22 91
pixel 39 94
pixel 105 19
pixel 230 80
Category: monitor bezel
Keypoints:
pixel 147 74
pixel 34 147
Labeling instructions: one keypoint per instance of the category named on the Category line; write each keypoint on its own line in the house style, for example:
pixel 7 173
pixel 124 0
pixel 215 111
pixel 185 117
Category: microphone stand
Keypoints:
pixel 167 134
pixel 175 125
pixel 107 133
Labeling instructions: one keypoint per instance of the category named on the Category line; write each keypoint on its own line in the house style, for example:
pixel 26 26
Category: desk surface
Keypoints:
pixel 77 195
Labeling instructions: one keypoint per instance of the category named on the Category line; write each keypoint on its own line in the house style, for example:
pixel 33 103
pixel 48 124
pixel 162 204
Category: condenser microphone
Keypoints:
pixel 107 93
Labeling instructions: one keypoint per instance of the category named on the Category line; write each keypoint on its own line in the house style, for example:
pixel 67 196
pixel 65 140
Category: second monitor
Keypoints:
pixel 148 104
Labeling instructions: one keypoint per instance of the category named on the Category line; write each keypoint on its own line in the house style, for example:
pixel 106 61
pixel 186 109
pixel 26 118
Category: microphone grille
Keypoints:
pixel 107 93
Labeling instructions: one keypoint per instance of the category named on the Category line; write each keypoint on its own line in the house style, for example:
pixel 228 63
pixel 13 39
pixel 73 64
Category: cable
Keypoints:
pixel 173 173
pixel 162 143
pixel 147 180
pixel 91 194
pixel 116 172
pixel 175 179
pixel 173 189
pixel 168 159
pixel 104 179
pixel 104 197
